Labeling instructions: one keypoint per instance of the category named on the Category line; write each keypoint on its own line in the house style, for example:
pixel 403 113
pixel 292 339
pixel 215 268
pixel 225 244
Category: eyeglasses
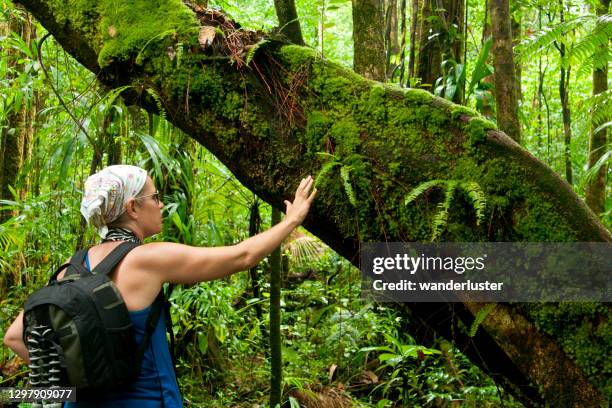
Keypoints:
pixel 155 196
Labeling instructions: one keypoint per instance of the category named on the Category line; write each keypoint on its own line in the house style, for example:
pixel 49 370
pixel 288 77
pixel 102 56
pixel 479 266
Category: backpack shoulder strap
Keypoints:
pixel 150 325
pixel 79 256
pixel 112 259
pixel 76 261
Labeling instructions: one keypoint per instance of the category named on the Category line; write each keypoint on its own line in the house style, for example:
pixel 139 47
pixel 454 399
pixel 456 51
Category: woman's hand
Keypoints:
pixel 297 211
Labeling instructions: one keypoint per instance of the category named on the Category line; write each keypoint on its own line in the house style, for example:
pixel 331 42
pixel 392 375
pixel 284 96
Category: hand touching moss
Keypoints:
pixel 297 211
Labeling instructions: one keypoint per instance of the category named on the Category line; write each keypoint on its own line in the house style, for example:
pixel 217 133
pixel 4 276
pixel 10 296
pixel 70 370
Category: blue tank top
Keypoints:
pixel 156 386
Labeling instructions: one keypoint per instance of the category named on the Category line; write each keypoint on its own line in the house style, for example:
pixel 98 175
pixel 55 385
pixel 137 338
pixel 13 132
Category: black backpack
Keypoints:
pixel 78 330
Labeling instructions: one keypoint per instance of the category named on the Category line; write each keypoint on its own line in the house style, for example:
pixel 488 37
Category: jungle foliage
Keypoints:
pixel 335 346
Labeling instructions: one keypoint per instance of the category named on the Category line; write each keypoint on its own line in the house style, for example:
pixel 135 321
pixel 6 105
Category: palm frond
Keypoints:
pixel 304 249
pixel 11 234
pixel 592 172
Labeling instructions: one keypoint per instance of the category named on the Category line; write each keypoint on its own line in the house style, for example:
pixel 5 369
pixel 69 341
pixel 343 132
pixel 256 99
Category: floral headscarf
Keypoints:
pixel 106 193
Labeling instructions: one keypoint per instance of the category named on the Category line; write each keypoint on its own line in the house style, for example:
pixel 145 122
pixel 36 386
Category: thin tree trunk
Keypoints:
pixel 515 23
pixel 276 358
pixel 567 130
pixel 288 20
pixel 506 101
pixel 415 18
pixel 369 57
pixel 487 103
pixel 403 34
pixel 387 130
pixel 322 30
pixel 392 47
pixel 112 140
pixel 392 24
pixel 595 190
pixel 254 228
pixel 564 97
pixel 538 101
pixel 29 112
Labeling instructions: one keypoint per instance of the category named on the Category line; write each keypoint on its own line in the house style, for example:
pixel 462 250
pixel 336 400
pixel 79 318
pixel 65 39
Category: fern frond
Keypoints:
pixel 418 190
pixel 326 168
pixel 158 102
pixel 441 218
pixel 595 42
pixel 588 64
pixel 598 106
pixel 346 181
pixel 478 198
pixel 544 38
pixel 328 155
pixel 480 316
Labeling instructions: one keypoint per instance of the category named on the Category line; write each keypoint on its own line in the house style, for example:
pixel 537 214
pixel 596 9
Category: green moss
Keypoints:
pixel 296 56
pixel 317 128
pixel 416 97
pixel 128 28
pixel 120 30
pixel 539 221
pixel 233 104
pixel 81 16
pixel 476 130
pixel 458 110
pixel 345 134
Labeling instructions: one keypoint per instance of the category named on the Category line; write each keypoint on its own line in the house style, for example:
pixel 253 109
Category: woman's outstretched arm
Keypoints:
pixel 186 264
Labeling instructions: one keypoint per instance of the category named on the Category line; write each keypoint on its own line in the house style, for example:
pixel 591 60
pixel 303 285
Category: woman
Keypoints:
pixel 123 204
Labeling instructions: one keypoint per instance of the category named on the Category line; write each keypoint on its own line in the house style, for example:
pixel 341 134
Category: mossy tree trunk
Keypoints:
pixel 268 120
pixel 369 56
